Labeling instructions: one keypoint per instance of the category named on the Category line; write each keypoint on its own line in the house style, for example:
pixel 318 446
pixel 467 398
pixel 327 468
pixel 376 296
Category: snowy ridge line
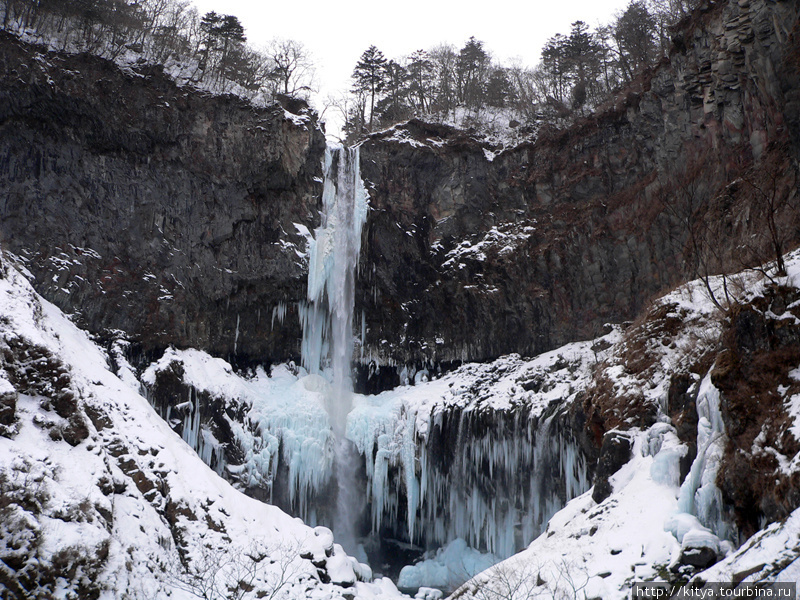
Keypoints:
pixel 490 127
pixel 117 500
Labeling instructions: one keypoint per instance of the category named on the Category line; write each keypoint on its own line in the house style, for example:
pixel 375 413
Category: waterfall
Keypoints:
pixel 327 321
pixel 333 260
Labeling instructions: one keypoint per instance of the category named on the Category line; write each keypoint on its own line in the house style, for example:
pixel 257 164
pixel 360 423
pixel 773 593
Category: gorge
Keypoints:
pixel 521 349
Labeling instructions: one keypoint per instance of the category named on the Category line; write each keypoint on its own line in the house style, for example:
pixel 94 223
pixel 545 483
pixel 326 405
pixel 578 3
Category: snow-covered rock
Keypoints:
pixel 121 506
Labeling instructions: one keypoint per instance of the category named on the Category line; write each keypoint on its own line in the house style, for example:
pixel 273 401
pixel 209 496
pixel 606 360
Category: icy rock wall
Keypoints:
pixel 450 271
pixel 699 495
pixel 491 477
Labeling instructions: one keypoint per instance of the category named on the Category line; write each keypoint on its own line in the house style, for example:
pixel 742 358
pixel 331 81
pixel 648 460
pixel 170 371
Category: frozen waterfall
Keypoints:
pixel 328 319
pixel 333 259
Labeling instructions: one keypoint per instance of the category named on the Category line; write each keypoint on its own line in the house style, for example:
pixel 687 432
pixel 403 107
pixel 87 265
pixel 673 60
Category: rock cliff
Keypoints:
pixel 160 211
pixel 471 254
pixel 170 214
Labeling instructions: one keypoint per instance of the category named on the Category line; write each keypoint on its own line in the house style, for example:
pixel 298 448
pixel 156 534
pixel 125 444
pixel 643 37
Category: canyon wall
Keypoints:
pixel 171 214
pixel 471 254
pixel 160 211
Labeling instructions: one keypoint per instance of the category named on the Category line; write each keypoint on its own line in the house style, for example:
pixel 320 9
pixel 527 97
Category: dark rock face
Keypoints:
pixel 614 453
pixel 682 403
pixel 761 347
pixel 153 209
pixel 169 214
pixel 467 258
pixel 700 558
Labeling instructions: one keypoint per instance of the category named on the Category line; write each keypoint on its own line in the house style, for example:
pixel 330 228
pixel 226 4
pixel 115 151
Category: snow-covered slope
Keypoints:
pixel 100 498
pixel 665 519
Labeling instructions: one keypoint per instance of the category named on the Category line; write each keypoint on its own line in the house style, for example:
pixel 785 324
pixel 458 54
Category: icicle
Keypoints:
pixel 327 320
pixel 496 493
pixel 699 495
pixel 279 312
pixel 236 337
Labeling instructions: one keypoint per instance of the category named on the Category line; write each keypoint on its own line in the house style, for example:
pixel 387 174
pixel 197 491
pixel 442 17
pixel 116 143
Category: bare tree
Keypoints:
pixel 292 67
pixel 230 573
pixel 519 579
pixel 684 200
pixel 777 205
pixel 505 582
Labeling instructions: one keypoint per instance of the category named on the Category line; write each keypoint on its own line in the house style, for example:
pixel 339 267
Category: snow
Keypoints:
pixel 286 420
pixel 699 494
pixel 396 426
pixel 772 554
pixel 134 486
pixel 599 549
pixel 182 71
pixel 637 533
pixel 500 241
pixel 489 125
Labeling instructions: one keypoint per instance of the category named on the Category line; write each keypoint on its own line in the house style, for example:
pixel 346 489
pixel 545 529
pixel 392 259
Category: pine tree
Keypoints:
pixel 498 88
pixel 554 65
pixel 370 76
pixel 420 75
pixel 396 89
pixel 470 70
pixel 635 35
pixel 583 61
pixel 223 37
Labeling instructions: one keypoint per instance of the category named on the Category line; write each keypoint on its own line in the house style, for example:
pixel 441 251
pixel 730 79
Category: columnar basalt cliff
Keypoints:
pixel 470 255
pixel 157 210
pixel 167 216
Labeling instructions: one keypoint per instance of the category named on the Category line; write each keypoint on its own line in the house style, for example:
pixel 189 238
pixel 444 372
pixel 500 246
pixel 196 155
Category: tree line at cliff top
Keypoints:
pixel 464 87
pixel 209 50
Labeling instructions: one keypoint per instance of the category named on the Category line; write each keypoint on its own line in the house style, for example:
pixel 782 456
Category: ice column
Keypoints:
pixel 328 319
pixel 699 494
pixel 333 259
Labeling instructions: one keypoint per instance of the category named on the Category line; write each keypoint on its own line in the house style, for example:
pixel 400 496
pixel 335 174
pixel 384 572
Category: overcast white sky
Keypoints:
pixel 337 32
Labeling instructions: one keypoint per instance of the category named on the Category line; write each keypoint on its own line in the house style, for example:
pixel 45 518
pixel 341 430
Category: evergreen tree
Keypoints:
pixel 584 62
pixel 395 108
pixel 222 40
pixel 444 98
pixel 470 71
pixel 498 89
pixel 635 35
pixel 370 76
pixel 420 76
pixel 555 67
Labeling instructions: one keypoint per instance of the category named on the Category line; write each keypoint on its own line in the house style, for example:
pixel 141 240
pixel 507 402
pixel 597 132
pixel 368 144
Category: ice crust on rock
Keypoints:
pixel 117 496
pixel 436 465
pixel 448 568
pixel 699 495
pixel 476 491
